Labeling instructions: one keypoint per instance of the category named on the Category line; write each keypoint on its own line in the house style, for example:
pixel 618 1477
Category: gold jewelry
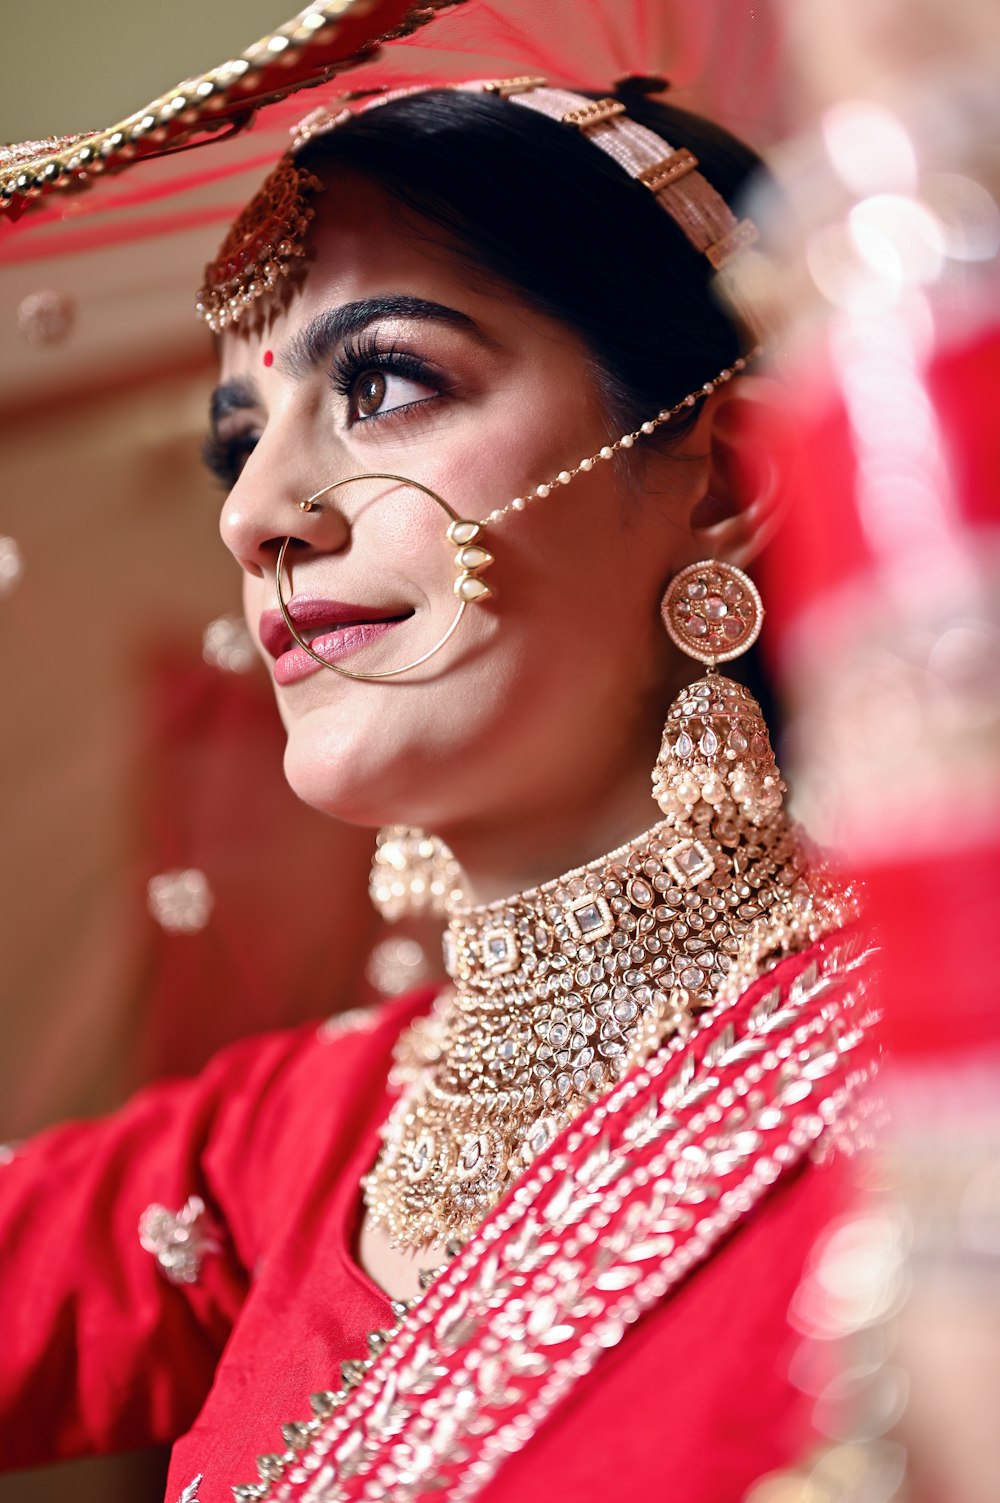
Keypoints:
pixel 557 992
pixel 466 536
pixel 715 756
pixel 262 246
pixel 560 990
pixel 249 261
pixel 267 238
pixel 470 560
pixel 412 873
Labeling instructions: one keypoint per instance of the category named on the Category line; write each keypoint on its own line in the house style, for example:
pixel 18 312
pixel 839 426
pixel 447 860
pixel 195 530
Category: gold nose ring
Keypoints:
pixel 470 560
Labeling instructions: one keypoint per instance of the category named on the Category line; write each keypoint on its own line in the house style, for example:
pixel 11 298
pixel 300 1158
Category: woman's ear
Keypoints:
pixel 742 505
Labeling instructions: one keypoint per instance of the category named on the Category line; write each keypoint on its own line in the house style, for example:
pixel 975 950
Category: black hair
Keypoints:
pixel 529 200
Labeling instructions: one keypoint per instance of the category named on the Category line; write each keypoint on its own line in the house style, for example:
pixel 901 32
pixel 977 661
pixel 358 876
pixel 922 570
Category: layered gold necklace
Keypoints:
pixel 556 993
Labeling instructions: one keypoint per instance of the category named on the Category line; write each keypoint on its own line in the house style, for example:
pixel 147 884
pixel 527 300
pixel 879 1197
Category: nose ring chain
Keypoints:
pixel 468 559
pixel 465 536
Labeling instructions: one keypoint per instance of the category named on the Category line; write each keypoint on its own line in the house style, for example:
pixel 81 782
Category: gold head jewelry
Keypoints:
pixel 268 235
pixel 263 245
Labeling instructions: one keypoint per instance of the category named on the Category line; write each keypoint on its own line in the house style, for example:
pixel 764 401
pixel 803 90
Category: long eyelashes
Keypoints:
pixel 361 355
pixel 225 457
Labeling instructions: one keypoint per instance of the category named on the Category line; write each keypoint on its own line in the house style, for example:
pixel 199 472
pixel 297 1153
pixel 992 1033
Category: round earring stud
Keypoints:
pixel 712 611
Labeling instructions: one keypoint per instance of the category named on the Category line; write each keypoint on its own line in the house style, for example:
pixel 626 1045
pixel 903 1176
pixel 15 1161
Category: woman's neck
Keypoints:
pixel 502 857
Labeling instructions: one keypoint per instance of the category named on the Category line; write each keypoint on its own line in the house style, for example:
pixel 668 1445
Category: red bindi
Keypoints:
pixel 268 357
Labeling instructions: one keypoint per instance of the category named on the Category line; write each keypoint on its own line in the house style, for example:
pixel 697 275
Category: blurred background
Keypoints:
pixel 148 837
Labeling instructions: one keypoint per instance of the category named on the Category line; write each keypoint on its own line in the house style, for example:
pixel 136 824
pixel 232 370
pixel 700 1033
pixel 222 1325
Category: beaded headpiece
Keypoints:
pixel 266 240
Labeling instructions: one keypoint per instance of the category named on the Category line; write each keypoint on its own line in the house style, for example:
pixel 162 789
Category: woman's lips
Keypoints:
pixel 348 628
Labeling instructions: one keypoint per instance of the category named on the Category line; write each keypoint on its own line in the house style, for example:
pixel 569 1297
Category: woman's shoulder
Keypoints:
pixel 336 1059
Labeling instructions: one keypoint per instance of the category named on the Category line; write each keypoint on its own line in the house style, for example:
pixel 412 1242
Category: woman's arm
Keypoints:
pixel 106 1343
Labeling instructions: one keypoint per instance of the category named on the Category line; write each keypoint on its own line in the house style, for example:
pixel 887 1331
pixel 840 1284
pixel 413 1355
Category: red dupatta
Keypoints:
pixel 605 1224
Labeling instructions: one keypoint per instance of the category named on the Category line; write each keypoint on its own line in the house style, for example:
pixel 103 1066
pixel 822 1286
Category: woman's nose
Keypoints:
pixel 268 503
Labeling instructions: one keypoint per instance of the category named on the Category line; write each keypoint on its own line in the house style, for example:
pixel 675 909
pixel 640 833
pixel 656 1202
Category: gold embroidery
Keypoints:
pixel 639 1194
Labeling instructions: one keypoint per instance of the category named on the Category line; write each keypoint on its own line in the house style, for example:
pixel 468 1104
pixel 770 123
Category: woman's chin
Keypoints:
pixel 341 775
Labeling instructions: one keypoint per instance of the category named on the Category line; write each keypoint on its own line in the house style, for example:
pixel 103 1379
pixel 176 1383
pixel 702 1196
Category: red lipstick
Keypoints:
pixel 332 628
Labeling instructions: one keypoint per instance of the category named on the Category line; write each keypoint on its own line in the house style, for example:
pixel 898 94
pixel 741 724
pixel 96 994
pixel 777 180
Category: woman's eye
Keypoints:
pixel 378 392
pixel 225 457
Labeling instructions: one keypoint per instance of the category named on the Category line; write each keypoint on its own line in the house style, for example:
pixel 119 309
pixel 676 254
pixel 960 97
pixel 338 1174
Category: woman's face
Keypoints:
pixel 392 357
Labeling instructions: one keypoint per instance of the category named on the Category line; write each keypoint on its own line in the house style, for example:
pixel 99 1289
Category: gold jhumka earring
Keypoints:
pixel 715 751
pixel 412 874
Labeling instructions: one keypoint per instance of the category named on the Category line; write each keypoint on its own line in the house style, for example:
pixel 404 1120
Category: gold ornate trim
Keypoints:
pixel 661 174
pixel 305 51
pixel 594 113
pixel 602 1228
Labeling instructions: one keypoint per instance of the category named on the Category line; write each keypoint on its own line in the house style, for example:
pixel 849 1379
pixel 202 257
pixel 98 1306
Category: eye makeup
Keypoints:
pixel 365 354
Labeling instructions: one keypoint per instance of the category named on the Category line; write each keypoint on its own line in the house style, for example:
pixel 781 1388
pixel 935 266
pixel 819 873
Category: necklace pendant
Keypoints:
pixel 557 993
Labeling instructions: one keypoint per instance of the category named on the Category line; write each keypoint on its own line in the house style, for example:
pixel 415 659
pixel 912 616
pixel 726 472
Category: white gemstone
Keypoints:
pixel 463 532
pixel 468 588
pixel 473 557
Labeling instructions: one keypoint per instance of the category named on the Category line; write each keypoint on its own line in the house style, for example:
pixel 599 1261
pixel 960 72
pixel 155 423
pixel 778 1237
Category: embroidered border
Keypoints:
pixel 637 1195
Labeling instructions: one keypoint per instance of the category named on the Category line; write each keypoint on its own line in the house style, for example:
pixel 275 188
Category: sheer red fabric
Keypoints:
pixel 722 58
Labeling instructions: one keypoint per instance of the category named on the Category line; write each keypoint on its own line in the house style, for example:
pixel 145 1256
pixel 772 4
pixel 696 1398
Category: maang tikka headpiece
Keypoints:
pixel 267 242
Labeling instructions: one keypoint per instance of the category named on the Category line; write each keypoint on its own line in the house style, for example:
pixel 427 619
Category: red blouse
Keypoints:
pixel 100 1351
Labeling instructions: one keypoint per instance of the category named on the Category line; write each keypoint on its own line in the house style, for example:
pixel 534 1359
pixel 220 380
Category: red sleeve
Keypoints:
pixel 99 1349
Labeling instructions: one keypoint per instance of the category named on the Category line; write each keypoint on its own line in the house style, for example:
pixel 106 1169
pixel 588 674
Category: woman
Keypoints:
pixel 537 1234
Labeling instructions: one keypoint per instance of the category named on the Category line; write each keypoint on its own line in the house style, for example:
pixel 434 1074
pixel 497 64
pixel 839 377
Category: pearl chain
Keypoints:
pixel 625 442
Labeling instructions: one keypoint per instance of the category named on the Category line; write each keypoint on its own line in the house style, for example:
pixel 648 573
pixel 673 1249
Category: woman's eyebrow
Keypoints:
pixel 232 396
pixel 311 346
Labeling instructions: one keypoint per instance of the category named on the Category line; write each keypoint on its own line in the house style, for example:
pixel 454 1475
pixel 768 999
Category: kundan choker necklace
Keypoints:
pixel 556 993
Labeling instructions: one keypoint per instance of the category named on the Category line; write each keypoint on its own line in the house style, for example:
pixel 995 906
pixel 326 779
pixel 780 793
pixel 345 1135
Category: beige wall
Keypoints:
pixel 83 66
